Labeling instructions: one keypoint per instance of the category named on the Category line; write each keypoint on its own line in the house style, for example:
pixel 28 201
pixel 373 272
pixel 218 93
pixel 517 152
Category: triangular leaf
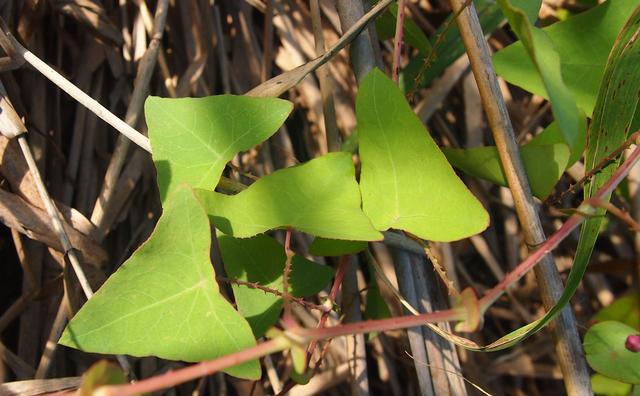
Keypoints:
pixel 164 301
pixel 319 197
pixel 261 260
pixel 406 181
pixel 193 138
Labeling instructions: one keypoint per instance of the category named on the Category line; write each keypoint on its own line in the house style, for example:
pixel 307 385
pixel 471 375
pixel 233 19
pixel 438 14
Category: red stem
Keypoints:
pixel 510 279
pixel 333 294
pixel 177 377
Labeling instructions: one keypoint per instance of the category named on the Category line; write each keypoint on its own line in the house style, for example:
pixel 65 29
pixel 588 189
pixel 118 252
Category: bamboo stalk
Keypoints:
pixel 568 347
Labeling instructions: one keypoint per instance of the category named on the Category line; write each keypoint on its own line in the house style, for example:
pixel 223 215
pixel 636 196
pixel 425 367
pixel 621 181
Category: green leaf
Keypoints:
pixel 261 260
pixel 484 162
pixel 603 385
pixel 604 346
pixel 193 138
pixel 546 60
pixel 164 301
pixel 99 374
pixel 624 309
pixel 583 43
pixel 406 181
pixel 612 120
pixel 335 247
pixel 319 197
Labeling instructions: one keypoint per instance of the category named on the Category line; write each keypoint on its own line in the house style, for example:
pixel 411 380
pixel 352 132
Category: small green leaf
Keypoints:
pixel 319 197
pixel 99 374
pixel 604 346
pixel 624 309
pixel 164 301
pixel 335 247
pixel 484 162
pixel 546 60
pixel 194 138
pixel 583 43
pixel 261 260
pixel 406 181
pixel 603 385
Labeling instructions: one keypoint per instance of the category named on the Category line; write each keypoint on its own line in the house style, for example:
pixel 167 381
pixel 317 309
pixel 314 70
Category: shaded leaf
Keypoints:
pixel 604 346
pixel 261 260
pixel 319 197
pixel 99 374
pixel 163 301
pixel 624 309
pixel 582 60
pixel 194 138
pixel 406 181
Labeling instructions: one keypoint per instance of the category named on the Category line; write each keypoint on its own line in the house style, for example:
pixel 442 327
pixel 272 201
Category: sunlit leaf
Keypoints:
pixel 546 60
pixel 406 181
pixel 194 138
pixel 583 43
pixel 164 300
pixel 319 197
pixel 261 260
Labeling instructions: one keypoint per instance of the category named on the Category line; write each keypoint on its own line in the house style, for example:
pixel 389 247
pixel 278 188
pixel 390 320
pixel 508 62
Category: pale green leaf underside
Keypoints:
pixel 406 181
pixel 164 300
pixel 261 260
pixel 319 197
pixel 583 43
pixel 194 138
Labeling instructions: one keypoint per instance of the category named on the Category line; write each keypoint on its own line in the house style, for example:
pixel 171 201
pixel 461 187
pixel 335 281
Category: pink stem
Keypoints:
pixel 554 240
